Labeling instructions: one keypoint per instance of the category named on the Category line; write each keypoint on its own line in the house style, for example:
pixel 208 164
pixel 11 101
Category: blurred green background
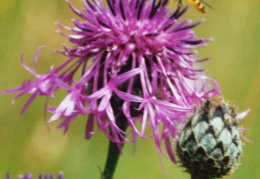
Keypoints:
pixel 27 144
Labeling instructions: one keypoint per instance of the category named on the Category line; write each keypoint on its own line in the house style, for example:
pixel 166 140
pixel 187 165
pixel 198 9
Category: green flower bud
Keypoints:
pixel 209 145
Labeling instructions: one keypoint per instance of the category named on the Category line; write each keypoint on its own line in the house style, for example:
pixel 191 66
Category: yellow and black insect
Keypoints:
pixel 199 4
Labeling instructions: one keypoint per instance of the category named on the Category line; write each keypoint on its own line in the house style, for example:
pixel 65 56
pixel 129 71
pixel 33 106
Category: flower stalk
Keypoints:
pixel 111 162
pixel 113 153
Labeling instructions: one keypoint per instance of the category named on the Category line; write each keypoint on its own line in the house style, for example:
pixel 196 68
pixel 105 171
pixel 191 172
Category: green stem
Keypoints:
pixel 113 151
pixel 112 159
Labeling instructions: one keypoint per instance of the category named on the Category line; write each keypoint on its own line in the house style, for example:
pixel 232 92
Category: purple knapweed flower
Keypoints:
pixel 136 62
pixel 41 176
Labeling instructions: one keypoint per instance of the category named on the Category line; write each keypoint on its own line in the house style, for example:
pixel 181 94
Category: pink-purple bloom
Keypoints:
pixel 136 59
pixel 41 176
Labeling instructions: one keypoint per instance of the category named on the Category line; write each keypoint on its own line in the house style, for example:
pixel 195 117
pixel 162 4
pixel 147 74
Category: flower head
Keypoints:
pixel 29 176
pixel 142 69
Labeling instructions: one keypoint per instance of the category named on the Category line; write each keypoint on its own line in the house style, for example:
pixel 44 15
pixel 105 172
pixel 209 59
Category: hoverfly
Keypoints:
pixel 199 4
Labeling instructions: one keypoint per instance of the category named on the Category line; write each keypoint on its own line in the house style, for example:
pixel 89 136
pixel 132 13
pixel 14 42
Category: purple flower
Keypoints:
pixel 136 59
pixel 29 176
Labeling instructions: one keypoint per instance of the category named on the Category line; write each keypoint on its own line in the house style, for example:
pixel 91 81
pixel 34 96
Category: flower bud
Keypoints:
pixel 209 145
